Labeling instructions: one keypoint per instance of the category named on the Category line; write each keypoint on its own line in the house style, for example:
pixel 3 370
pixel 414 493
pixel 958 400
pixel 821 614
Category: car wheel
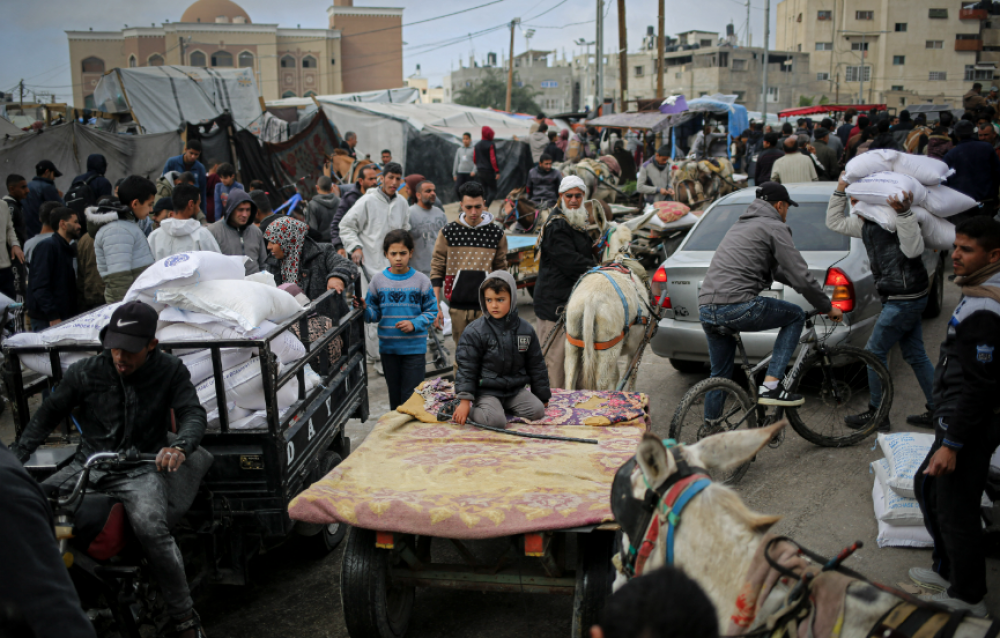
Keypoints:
pixel 687 367
pixel 935 300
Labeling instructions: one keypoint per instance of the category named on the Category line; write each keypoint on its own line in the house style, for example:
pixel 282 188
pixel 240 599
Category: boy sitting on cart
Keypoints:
pixel 500 362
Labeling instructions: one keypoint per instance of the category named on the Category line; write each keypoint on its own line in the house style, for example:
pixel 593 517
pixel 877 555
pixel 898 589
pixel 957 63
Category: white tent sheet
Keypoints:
pixel 404 95
pixel 163 98
pixel 9 128
pixel 374 131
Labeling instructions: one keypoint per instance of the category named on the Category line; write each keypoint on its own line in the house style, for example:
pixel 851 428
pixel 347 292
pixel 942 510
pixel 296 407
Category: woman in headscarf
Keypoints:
pixel 313 267
pixel 563 141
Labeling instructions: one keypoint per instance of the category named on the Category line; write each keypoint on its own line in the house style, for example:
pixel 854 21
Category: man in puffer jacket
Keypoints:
pixel 181 232
pixel 498 355
pixel 237 234
pixel 119 244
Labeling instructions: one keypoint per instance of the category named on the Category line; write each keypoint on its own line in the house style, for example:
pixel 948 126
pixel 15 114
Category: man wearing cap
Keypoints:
pixel 566 253
pixel 125 396
pixel 40 190
pixel 654 177
pixel 756 251
pixel 977 171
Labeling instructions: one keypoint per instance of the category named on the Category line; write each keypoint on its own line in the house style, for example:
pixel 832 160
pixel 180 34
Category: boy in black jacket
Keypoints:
pixel 500 362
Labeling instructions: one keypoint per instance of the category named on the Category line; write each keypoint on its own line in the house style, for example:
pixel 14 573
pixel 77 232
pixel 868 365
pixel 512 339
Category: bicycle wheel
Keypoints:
pixel 738 412
pixel 835 390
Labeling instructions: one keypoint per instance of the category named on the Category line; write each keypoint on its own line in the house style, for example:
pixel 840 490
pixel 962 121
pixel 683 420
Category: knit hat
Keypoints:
pixel 570 182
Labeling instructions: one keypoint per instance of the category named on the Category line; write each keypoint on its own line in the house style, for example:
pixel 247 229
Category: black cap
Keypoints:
pixel 132 327
pixel 162 204
pixel 46 165
pixel 772 192
pixel 964 128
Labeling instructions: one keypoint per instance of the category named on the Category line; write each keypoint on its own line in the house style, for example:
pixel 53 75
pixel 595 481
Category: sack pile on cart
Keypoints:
pixel 876 175
pixel 201 296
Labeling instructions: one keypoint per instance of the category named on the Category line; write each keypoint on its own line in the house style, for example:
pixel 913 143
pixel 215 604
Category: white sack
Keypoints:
pixel 446 330
pixel 199 363
pixel 248 303
pixel 904 452
pixel 180 332
pixel 895 535
pixel 995 461
pixel 85 329
pixel 41 363
pixel 179 315
pixel 265 278
pixel 945 202
pixel 285 346
pixel 878 187
pixel 245 388
pixel 867 163
pixel 184 269
pixel 882 214
pixel 898 510
pixel 938 233
pixel 254 420
pixel 928 171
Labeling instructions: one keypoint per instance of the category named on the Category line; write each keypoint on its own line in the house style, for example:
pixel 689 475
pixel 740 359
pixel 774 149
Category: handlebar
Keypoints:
pixel 114 459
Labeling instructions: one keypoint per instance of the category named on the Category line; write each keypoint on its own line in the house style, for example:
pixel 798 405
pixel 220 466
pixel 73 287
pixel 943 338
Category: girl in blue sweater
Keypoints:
pixel 402 302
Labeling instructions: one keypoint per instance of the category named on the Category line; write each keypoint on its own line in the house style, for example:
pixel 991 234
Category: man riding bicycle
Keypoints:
pixel 757 250
pixel 126 395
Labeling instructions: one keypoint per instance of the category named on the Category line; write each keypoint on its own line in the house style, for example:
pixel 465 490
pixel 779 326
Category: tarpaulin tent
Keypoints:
pixel 652 120
pixel 68 145
pixel 9 128
pixel 404 95
pixel 164 98
pixel 718 103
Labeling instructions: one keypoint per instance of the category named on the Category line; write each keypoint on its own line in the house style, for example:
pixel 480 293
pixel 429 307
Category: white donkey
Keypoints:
pixel 717 538
pixel 605 313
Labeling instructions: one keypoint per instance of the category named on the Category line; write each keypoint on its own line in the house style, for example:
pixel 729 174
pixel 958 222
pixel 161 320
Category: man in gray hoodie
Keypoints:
pixel 237 234
pixel 322 207
pixel 757 250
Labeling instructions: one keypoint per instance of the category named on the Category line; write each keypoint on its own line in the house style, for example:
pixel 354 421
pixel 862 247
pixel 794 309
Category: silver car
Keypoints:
pixel 840 262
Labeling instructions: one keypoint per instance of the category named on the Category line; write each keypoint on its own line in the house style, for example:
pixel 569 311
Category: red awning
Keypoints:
pixel 830 108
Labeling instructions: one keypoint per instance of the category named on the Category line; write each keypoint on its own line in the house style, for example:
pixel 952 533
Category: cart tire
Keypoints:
pixel 594 577
pixel 373 608
pixel 320 540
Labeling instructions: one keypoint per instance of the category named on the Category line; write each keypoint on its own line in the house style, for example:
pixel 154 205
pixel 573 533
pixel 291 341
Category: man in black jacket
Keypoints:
pixel 950 482
pixel 767 158
pixel 125 396
pixel 977 171
pixel 351 194
pixel 52 292
pixel 566 254
pixel 497 357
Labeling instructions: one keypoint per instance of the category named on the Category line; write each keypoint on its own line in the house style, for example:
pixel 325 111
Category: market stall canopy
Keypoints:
pixel 652 120
pixel 830 108
pixel 164 98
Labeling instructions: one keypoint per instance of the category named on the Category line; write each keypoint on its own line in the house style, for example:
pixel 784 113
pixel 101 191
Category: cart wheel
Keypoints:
pixel 594 577
pixel 373 606
pixel 320 540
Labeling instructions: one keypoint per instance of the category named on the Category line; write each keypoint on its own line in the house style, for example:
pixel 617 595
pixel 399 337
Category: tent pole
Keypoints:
pixel 121 83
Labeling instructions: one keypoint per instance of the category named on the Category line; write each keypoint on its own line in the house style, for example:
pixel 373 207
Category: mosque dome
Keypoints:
pixel 223 11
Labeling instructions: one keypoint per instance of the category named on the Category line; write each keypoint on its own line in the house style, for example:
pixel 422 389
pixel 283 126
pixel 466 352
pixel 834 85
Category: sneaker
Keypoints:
pixel 928 579
pixel 378 367
pixel 954 604
pixel 925 420
pixel 861 421
pixel 778 396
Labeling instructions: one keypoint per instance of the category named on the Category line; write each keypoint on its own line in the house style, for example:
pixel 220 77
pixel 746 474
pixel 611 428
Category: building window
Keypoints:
pixel 822 76
pixel 900 27
pixel 222 58
pixel 88 103
pixel 739 65
pixel 93 65
pixel 859 46
pixel 824 46
pixel 740 95
pixel 972 73
pixel 864 15
pixel 287 62
pixel 967 36
pixel 705 43
pixel 131 62
pixel 934 44
pixel 824 15
pixel 155 60
pixel 288 94
pixel 898 60
pixel 723 58
pixel 246 59
pixel 678 75
pixel 937 14
pixel 772 94
pixel 902 101
pixel 938 76
pixel 896 87
pixel 798 48
pixel 309 62
pixel 854 74
pixel 197 58
pixel 638 71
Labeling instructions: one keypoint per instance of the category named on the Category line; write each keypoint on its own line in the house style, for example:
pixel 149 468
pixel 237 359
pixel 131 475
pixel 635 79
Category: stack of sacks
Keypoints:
pixel 83 330
pixel 876 175
pixel 900 521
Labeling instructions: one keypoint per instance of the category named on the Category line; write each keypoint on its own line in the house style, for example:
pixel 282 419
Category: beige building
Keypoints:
pixel 360 51
pixel 897 52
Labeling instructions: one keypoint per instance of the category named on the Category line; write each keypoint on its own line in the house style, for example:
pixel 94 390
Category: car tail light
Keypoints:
pixel 658 285
pixel 840 289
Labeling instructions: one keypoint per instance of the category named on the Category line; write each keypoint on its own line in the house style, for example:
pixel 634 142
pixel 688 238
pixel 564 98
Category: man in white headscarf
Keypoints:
pixel 566 254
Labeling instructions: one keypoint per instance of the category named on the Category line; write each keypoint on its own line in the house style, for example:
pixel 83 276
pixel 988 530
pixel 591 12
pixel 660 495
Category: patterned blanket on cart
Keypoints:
pixel 417 476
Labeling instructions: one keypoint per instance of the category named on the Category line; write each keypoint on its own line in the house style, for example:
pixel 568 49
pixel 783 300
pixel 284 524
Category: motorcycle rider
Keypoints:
pixel 126 395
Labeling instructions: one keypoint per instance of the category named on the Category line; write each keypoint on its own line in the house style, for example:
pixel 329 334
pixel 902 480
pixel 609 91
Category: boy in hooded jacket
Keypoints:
pixel 500 363
pixel 180 232
pixel 237 234
pixel 119 244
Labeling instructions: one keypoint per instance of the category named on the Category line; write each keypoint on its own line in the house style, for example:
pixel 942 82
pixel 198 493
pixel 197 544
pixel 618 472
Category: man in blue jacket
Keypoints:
pixel 52 287
pixel 188 162
pixel 977 171
pixel 40 190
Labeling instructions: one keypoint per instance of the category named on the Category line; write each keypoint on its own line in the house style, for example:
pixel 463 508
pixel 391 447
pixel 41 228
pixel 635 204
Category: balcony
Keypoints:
pixel 968 45
pixel 973 14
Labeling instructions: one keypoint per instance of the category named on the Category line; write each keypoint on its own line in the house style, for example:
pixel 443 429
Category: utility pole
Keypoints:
pixel 747 38
pixel 599 58
pixel 622 55
pixel 510 64
pixel 767 41
pixel 861 72
pixel 660 51
pixel 21 87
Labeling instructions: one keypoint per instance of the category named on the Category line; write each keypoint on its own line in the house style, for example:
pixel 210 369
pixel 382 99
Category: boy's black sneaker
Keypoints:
pixel 861 421
pixel 925 420
pixel 778 396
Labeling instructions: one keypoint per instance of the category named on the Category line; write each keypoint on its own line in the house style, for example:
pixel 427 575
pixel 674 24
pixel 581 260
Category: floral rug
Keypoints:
pixel 418 476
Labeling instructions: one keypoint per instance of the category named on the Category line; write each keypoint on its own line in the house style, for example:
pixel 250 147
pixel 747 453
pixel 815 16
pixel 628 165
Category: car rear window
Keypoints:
pixel 808 224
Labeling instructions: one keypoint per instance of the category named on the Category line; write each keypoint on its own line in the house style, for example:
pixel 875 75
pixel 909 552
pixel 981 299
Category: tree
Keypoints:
pixel 805 100
pixel 491 92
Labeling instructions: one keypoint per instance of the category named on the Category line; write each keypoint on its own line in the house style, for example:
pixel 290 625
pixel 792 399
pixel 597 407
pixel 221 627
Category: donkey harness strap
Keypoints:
pixel 640 318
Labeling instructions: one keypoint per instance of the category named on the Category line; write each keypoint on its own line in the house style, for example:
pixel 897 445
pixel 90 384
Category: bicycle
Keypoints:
pixel 834 381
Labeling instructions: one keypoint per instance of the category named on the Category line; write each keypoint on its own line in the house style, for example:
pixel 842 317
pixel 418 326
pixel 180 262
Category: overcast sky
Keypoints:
pixel 33 42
